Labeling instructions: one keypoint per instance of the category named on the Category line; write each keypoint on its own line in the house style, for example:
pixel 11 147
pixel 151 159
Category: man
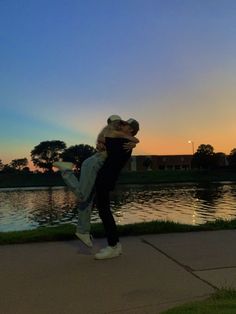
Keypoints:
pixel 107 176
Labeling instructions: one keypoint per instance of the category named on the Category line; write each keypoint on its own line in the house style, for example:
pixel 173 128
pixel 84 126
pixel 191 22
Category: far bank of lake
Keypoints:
pixel 146 177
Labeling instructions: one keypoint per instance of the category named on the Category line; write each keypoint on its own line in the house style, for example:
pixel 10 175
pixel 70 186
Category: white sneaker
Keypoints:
pixel 63 165
pixel 85 238
pixel 118 245
pixel 109 252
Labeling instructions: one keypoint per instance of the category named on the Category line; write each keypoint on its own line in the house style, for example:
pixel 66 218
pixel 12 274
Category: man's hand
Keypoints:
pixel 129 146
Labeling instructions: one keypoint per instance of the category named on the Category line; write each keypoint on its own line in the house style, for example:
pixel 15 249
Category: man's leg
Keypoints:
pixel 103 205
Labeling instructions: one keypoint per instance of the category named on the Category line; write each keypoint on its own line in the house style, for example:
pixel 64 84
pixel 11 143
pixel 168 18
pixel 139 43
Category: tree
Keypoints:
pixel 77 154
pixel 1 165
pixel 204 157
pixel 220 160
pixel 232 158
pixel 205 149
pixel 8 169
pixel 19 164
pixel 46 153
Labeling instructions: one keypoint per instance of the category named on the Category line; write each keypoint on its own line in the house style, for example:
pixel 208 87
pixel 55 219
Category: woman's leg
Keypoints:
pixel 83 187
pixel 72 182
pixel 88 173
pixel 84 214
pixel 84 190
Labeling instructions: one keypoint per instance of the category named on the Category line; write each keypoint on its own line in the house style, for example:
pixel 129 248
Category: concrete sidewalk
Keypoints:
pixel 156 272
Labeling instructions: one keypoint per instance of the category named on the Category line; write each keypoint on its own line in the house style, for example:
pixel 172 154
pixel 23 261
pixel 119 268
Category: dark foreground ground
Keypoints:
pixel 155 273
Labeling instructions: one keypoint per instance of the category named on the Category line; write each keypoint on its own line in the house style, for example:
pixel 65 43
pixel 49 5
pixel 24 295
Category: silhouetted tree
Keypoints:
pixel 1 165
pixel 44 154
pixel 26 170
pixel 204 157
pixel 232 158
pixel 19 164
pixel 8 169
pixel 77 154
pixel 220 160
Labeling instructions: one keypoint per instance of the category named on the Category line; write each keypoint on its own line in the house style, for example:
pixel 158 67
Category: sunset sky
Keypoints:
pixel 66 65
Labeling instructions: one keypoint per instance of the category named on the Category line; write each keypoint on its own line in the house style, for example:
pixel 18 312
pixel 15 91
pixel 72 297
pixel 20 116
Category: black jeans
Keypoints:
pixel 103 206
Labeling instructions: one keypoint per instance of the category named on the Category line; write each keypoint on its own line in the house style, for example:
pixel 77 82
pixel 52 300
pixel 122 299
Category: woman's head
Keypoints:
pixel 113 118
pixel 115 125
pixel 114 122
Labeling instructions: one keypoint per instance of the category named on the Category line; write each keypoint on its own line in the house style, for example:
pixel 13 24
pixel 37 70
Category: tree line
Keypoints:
pixel 206 158
pixel 46 153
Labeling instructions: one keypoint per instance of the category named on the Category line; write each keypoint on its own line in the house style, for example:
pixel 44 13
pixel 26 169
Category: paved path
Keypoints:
pixel 156 272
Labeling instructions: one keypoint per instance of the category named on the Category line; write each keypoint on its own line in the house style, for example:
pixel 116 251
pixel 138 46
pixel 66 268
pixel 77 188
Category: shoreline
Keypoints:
pixel 145 177
pixel 57 187
pixel 66 232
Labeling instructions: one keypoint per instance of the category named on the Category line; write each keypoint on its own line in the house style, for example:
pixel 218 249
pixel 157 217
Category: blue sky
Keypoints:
pixel 67 65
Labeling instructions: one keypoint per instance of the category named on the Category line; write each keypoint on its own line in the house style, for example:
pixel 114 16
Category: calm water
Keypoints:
pixel 28 208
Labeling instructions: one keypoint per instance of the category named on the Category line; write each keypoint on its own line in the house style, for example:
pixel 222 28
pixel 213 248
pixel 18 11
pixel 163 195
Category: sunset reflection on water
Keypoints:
pixel 22 208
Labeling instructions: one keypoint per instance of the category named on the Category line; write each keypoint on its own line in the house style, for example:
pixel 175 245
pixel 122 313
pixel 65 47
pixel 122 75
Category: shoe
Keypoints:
pixel 63 165
pixel 109 252
pixel 118 245
pixel 85 238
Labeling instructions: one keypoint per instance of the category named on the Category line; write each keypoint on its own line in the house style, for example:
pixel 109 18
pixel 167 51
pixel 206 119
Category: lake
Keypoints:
pixel 29 208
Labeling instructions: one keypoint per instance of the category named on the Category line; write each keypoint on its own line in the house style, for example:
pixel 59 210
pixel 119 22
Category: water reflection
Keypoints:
pixel 209 195
pixel 187 203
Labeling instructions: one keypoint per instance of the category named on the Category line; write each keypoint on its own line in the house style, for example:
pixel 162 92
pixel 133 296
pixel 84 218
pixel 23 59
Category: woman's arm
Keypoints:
pixel 100 143
pixel 133 139
pixel 129 146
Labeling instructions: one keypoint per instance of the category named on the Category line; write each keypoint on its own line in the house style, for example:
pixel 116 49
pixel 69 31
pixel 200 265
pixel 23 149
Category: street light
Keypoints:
pixel 191 142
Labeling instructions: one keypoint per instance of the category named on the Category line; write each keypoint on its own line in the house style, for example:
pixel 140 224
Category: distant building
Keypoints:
pixel 159 162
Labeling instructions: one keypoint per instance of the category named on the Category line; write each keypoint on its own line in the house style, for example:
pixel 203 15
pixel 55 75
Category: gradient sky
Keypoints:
pixel 66 65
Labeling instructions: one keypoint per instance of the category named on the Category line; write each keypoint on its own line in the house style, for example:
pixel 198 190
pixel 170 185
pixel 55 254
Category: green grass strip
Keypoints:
pixel 221 302
pixel 67 231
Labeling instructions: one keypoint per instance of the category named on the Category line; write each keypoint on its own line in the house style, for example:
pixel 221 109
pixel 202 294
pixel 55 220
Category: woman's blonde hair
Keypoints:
pixel 115 125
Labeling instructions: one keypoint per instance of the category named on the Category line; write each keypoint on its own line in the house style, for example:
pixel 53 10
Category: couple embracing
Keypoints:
pixel 98 176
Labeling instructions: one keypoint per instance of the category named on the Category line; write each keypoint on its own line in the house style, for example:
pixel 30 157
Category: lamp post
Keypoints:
pixel 191 142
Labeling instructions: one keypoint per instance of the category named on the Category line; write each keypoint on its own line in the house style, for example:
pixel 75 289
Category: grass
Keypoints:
pixel 66 231
pixel 221 302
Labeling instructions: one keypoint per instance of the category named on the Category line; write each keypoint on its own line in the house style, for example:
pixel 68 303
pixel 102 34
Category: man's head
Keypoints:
pixel 134 125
